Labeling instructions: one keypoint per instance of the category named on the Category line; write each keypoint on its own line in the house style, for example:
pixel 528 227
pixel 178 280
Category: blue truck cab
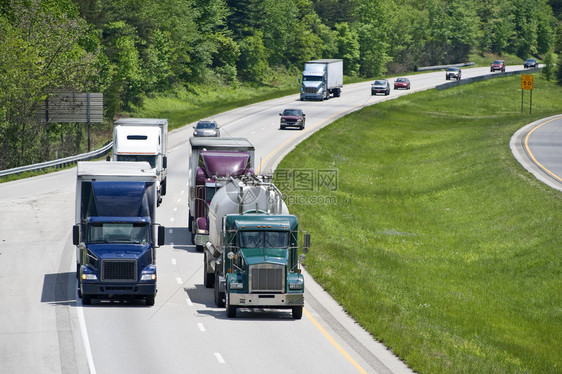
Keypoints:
pixel 116 233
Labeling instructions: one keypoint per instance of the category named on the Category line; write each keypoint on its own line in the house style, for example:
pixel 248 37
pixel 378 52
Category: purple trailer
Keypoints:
pixel 213 161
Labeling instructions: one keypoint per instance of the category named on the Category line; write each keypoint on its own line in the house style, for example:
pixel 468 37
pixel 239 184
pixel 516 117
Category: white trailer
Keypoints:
pixel 143 139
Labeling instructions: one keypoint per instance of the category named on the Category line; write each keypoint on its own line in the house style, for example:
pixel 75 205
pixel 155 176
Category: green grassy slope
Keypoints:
pixel 436 240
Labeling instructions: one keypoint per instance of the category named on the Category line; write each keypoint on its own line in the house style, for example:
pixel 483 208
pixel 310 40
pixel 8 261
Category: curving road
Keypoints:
pixel 45 328
pixel 538 147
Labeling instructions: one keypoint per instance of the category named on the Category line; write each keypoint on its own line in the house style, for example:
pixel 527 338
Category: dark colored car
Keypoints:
pixel 531 63
pixel 206 128
pixel 292 118
pixel 497 65
pixel 453 73
pixel 402 83
pixel 380 86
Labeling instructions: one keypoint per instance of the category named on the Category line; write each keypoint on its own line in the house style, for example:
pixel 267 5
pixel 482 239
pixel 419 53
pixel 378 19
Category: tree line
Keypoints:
pixel 131 48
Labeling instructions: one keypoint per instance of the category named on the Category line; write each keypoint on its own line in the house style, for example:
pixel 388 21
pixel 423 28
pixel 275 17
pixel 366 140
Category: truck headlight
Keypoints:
pixel 149 273
pixel 202 232
pixel 236 285
pixel 88 273
pixel 296 286
pixel 148 276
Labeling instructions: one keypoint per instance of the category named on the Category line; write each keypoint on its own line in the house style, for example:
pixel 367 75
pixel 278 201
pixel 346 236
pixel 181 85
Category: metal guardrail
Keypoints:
pixel 441 67
pixel 60 163
pixel 479 78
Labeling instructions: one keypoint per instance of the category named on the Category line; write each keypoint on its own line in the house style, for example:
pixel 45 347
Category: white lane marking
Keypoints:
pixel 182 191
pixel 179 280
pixel 171 243
pixel 175 209
pixel 219 358
pixel 173 261
pixel 85 339
pixel 179 200
pixel 171 231
pixel 172 219
pixel 201 327
pixel 188 301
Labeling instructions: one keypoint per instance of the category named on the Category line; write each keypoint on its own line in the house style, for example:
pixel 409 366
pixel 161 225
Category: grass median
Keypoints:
pixel 434 238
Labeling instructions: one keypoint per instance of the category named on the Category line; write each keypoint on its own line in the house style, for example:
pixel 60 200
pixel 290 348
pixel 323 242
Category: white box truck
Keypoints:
pixel 143 139
pixel 321 78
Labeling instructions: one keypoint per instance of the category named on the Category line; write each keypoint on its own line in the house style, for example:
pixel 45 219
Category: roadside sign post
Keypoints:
pixel 527 84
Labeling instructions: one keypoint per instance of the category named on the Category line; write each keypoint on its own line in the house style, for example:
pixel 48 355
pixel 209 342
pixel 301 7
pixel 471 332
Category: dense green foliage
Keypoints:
pixel 435 239
pixel 133 49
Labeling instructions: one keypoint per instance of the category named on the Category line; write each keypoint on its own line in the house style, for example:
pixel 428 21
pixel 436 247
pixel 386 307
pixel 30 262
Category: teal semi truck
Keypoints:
pixel 252 257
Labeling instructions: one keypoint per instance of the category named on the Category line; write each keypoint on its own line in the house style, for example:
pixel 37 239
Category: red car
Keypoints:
pixel 402 83
pixel 292 118
pixel 498 65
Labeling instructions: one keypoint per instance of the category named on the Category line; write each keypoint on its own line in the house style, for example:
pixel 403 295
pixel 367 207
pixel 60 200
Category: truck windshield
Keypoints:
pixel 264 239
pixel 311 78
pixel 150 158
pixel 137 233
pixel 209 193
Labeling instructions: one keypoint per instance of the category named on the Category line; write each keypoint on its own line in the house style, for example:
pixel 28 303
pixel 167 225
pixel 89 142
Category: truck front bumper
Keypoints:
pixel 124 290
pixel 310 96
pixel 266 300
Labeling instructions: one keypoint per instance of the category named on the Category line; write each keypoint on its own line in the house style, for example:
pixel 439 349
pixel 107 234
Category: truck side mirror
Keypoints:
pixel 161 235
pixel 306 242
pixel 76 234
pixel 165 162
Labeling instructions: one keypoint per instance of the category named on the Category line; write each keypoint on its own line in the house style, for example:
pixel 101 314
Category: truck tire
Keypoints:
pixel 297 312
pixel 199 248
pixel 208 278
pixel 150 300
pixel 219 297
pixel 86 299
pixel 164 184
pixel 230 310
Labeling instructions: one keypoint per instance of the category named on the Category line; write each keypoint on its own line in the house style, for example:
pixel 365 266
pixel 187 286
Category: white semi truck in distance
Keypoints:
pixel 321 78
pixel 143 139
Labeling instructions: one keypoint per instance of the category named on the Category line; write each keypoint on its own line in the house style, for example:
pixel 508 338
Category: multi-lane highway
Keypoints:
pixel 45 328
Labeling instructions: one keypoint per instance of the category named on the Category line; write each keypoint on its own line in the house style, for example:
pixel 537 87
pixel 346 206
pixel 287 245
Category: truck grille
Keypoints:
pixel 311 90
pixel 119 270
pixel 267 278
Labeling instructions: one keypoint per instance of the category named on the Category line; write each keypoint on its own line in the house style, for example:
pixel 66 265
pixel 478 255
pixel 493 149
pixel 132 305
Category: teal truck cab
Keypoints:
pixel 252 258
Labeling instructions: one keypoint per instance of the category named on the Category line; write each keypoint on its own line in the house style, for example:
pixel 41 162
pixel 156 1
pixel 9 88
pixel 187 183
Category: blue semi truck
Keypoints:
pixel 115 231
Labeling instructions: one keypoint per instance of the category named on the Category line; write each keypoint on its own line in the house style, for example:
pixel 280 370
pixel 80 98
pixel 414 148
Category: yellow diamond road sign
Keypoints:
pixel 526 82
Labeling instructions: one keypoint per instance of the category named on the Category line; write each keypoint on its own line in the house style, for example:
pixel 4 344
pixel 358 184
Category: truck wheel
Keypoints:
pixel 164 184
pixel 150 300
pixel 199 248
pixel 297 312
pixel 208 278
pixel 230 310
pixel 189 224
pixel 86 299
pixel 219 297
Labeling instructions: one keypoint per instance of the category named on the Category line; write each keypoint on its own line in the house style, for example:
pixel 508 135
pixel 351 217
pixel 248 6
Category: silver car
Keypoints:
pixel 206 128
